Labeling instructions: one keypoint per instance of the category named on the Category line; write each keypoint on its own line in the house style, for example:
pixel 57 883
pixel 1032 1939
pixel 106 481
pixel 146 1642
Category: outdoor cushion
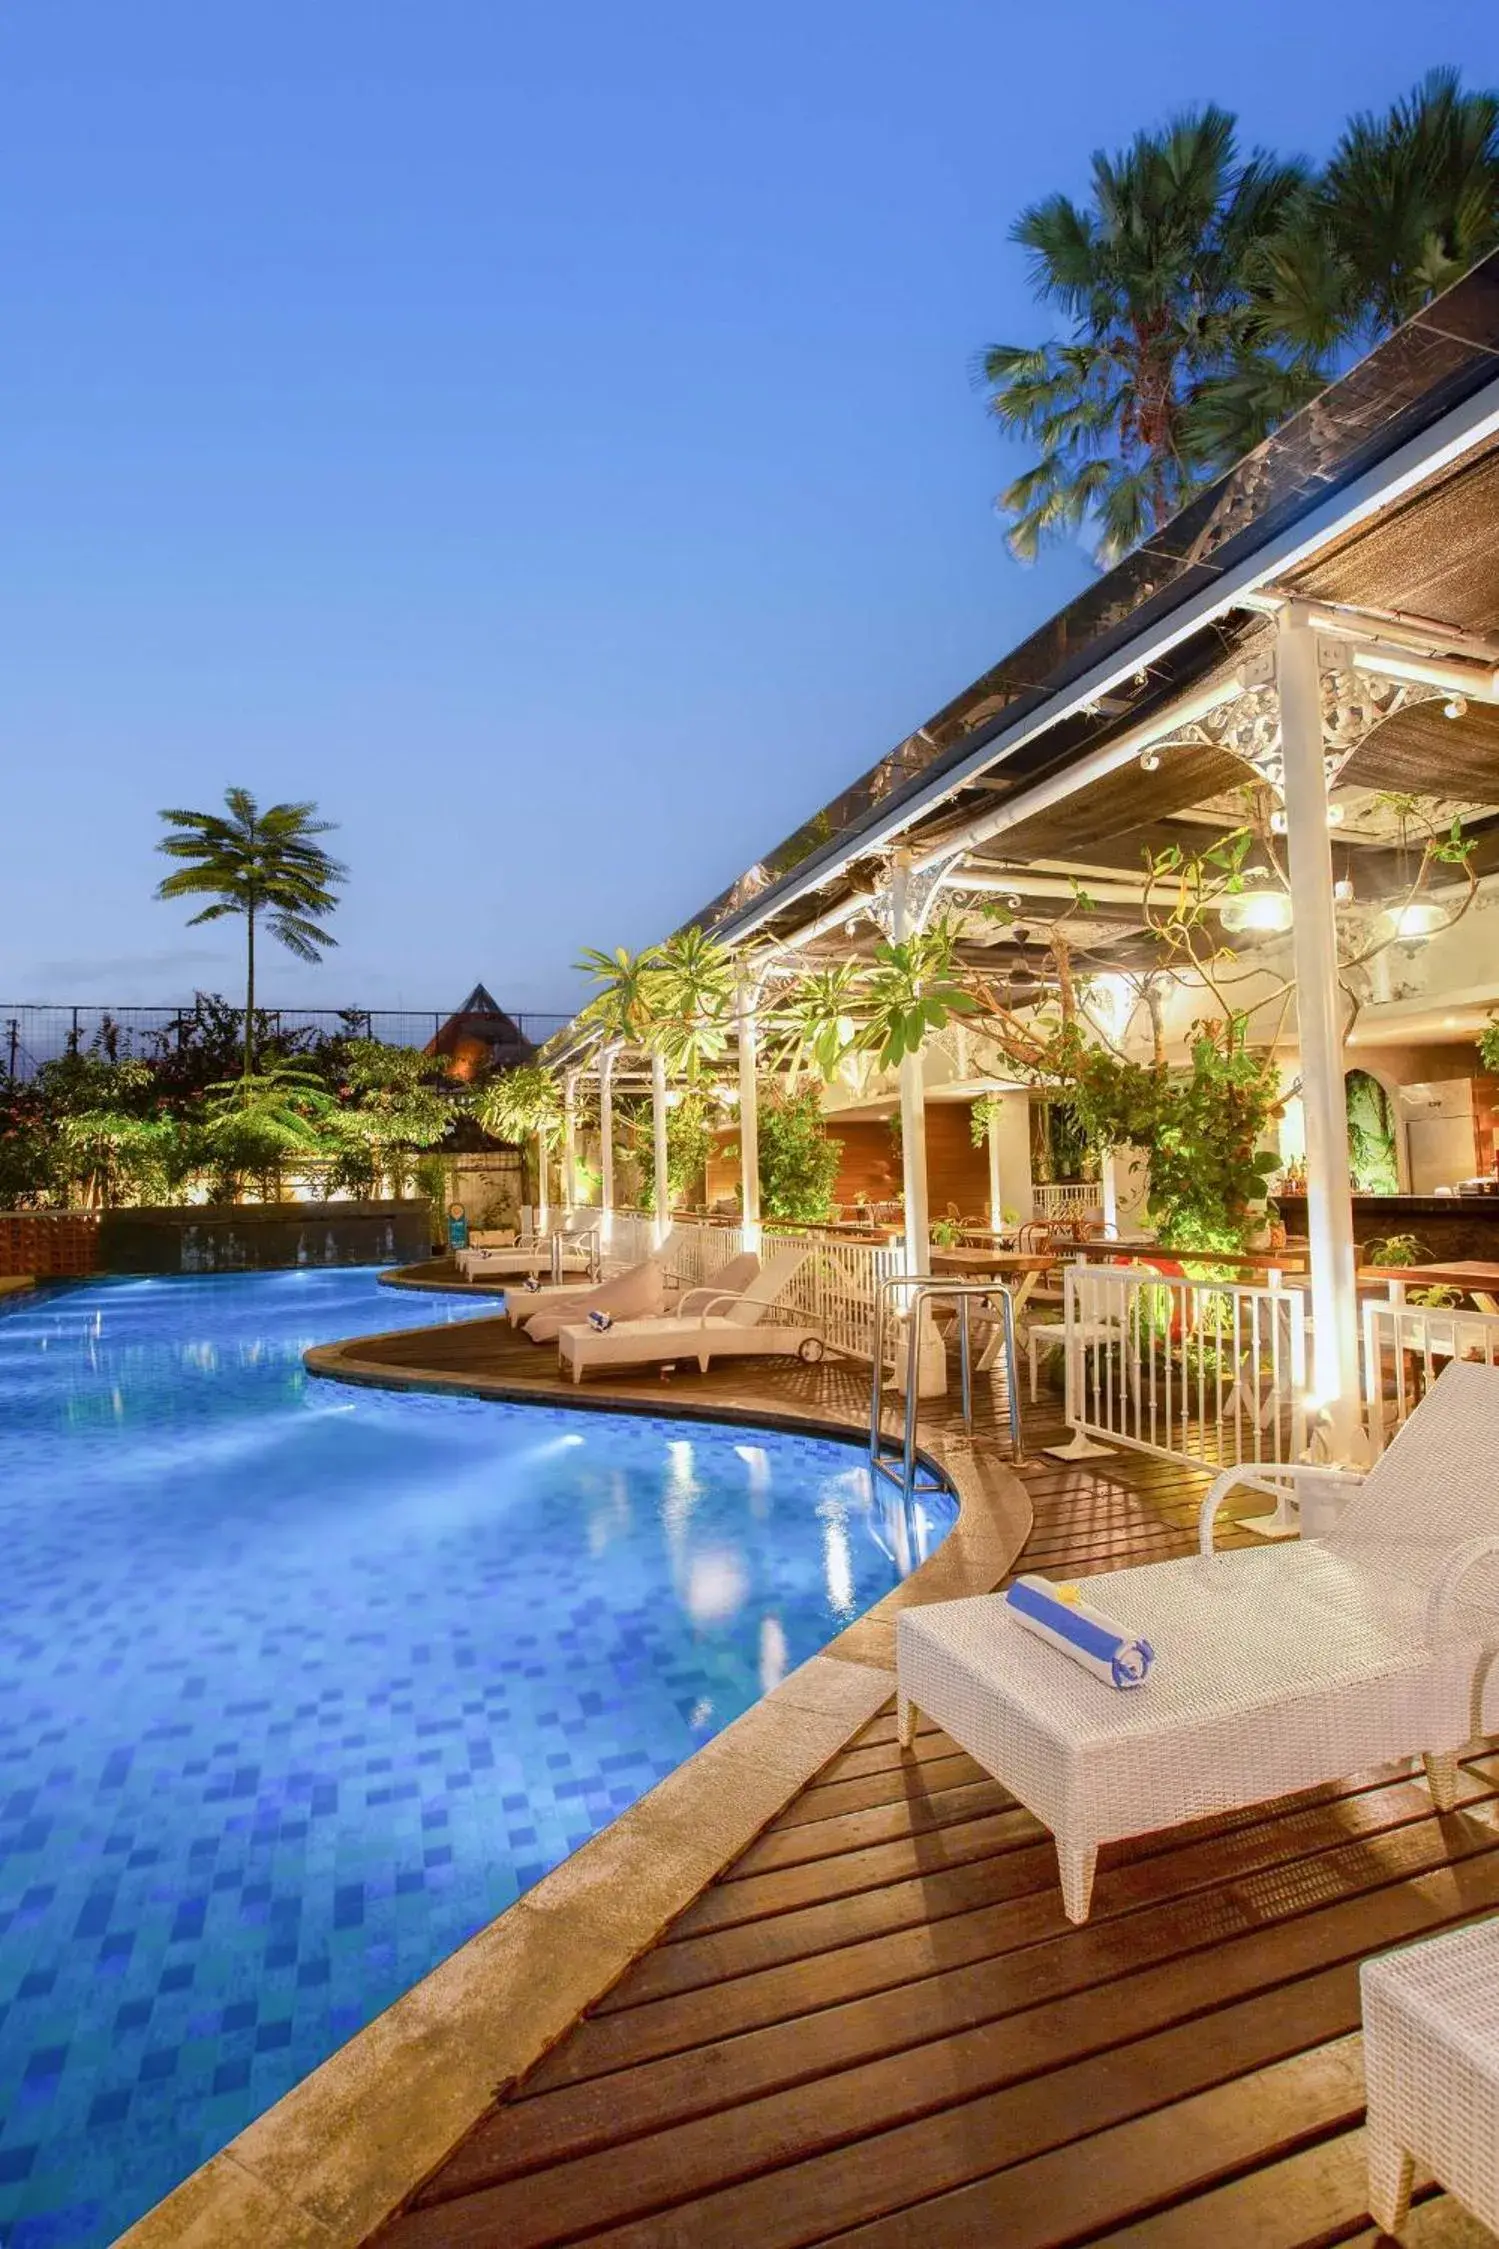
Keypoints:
pixel 638 1294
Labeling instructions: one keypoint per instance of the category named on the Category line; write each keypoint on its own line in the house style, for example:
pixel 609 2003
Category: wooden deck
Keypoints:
pixel 878 2028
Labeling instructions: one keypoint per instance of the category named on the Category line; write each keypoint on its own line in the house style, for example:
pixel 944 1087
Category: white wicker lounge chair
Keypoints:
pixel 708 1324
pixel 522 1305
pixel 577 1234
pixel 1275 1669
pixel 643 1292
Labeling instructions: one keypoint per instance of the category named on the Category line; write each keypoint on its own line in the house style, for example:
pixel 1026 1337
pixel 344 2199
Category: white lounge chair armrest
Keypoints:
pixel 694 1300
pixel 1273 1482
pixel 1232 1480
pixel 1444 1592
pixel 716 1299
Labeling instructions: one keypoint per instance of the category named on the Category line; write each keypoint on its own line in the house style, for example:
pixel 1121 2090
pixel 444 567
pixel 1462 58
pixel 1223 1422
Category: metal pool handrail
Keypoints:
pixel 901 1468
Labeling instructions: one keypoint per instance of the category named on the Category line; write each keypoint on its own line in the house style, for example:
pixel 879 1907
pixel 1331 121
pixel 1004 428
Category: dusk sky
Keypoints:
pixel 545 436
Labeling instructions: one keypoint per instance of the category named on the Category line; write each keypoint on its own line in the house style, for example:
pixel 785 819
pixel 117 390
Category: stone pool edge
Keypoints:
pixel 344 2148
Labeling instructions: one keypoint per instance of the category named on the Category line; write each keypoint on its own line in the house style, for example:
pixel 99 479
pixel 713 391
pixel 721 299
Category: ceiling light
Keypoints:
pixel 1262 913
pixel 1013 901
pixel 1422 917
pixel 1457 707
pixel 1343 892
pixel 1142 677
pixel 1335 816
pixel 1278 823
pixel 1150 761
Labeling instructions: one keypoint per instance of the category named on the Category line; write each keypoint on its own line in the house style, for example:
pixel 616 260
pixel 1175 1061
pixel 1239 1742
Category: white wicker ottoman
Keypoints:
pixel 1431 2060
pixel 1275 1670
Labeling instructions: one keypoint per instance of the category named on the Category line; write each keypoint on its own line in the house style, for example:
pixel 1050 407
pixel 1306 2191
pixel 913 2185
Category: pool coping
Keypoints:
pixel 341 2151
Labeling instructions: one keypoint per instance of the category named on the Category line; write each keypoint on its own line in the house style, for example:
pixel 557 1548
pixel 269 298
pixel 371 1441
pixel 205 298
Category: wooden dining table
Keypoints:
pixel 1020 1271
pixel 1477 1277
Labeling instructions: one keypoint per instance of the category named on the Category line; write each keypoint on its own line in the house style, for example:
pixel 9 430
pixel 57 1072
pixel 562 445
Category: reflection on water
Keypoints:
pixel 300 1685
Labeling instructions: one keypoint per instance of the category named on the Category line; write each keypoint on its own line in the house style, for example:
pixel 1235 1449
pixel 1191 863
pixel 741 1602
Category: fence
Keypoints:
pixel 31 1034
pixel 1209 1372
pixel 1075 1199
pixel 1406 1347
pixel 49 1245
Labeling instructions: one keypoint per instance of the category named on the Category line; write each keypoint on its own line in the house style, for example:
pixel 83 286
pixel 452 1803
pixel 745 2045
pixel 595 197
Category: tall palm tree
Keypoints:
pixel 1151 276
pixel 1407 203
pixel 259 866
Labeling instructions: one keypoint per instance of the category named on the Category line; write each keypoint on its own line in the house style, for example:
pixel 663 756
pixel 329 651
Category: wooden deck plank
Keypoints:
pixel 1023 1880
pixel 1077 2193
pixel 790 2180
pixel 1031 1975
pixel 960 2026
pixel 877 2027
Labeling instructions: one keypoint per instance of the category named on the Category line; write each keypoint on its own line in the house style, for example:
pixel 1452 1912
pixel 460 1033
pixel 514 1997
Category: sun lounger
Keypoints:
pixel 1275 1669
pixel 522 1305
pixel 708 1324
pixel 646 1290
pixel 576 1238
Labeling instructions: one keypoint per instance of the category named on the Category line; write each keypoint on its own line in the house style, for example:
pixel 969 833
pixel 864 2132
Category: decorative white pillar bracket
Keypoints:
pixel 1354 704
pixel 903 898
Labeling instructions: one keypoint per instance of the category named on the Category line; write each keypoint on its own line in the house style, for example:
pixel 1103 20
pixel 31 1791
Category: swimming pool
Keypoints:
pixel 302 1684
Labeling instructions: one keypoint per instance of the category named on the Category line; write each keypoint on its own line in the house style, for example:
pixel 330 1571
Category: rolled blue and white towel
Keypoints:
pixel 1102 1645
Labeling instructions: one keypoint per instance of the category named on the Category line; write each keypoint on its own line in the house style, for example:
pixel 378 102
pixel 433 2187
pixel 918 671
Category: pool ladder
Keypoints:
pixel 903 1466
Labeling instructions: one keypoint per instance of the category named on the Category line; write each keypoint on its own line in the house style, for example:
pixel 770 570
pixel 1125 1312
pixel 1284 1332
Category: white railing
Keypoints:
pixel 1209 1372
pixel 1076 1199
pixel 1406 1346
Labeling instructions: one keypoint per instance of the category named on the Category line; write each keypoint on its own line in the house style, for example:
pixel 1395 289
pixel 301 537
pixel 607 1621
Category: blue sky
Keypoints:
pixel 542 435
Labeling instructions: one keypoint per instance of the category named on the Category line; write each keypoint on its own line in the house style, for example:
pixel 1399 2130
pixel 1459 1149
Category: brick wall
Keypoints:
pixel 51 1244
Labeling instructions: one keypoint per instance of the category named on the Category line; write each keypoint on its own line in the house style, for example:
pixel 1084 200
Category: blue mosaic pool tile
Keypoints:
pixel 317 1683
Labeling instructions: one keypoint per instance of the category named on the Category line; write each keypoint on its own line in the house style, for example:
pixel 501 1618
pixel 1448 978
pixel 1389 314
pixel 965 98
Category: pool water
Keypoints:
pixel 301 1684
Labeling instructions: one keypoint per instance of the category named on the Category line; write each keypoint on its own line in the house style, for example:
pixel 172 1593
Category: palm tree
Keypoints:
pixel 1151 275
pixel 1407 203
pixel 259 866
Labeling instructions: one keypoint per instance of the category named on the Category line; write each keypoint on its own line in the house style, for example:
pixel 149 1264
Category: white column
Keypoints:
pixel 996 1180
pixel 749 1112
pixel 1109 1181
pixel 606 1145
pixel 570 1140
pixel 931 1380
pixel 658 1128
pixel 541 1183
pixel 912 1107
pixel 1335 1372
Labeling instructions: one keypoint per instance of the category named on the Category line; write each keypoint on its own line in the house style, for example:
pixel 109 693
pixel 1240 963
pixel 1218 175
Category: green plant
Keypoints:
pixel 257 1124
pixel 394 1103
pixel 255 865
pixel 1371 1136
pixel 689 1143
pixel 798 1162
pixel 1396 1249
pixel 514 1105
pixel 689 999
pixel 913 989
